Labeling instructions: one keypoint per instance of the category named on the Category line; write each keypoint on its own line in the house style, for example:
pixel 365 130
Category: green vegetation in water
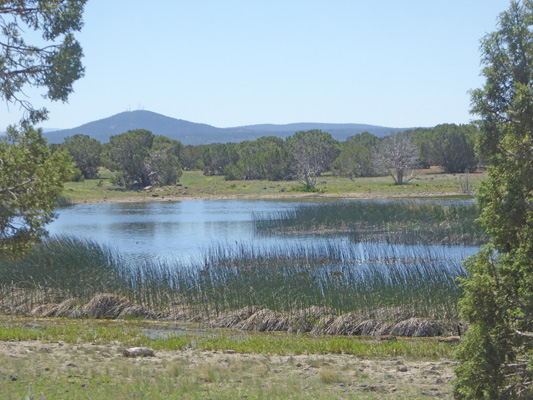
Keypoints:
pixel 77 268
pixel 381 282
pixel 419 282
pixel 405 222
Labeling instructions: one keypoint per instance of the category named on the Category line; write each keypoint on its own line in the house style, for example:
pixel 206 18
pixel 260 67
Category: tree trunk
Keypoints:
pixel 399 179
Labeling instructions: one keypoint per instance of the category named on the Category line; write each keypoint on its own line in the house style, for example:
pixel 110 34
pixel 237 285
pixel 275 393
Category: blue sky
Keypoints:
pixel 229 63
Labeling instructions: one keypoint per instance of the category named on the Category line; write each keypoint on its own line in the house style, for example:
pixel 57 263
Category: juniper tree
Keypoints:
pixel 52 63
pixel 30 177
pixel 496 354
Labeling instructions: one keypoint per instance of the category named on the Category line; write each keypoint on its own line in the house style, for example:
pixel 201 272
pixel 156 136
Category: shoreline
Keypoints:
pixel 280 196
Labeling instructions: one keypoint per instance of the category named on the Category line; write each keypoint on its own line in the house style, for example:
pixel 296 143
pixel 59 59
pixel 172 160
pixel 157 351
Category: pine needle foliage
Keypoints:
pixel 496 356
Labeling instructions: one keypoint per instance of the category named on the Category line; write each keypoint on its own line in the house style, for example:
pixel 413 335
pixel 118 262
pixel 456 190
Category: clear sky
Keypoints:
pixel 238 62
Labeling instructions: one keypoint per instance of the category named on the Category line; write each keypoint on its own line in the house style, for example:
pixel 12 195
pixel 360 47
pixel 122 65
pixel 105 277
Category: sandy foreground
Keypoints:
pixel 335 376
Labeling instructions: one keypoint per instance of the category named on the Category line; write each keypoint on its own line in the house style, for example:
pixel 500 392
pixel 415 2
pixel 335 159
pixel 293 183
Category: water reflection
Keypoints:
pixel 169 230
pixel 184 230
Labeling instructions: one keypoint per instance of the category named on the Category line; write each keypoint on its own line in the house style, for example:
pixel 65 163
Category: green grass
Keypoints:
pixel 130 334
pixel 334 275
pixel 194 184
pixel 71 267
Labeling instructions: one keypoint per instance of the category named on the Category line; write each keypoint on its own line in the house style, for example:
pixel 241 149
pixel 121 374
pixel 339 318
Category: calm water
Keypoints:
pixel 185 229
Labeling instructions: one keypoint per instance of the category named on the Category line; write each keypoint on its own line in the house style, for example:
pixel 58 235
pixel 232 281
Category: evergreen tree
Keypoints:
pixel 496 354
pixel 52 61
pixel 142 159
pixel 355 158
pixel 37 49
pixel 31 180
pixel 85 152
pixel 314 152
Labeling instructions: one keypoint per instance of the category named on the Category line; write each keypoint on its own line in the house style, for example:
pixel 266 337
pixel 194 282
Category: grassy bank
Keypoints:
pixel 193 184
pixel 136 333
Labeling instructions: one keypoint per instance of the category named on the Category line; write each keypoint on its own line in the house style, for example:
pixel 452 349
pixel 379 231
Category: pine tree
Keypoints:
pixel 496 354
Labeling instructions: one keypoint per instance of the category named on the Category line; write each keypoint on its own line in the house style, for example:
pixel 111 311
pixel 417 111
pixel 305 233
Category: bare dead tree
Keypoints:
pixel 398 156
pixel 313 152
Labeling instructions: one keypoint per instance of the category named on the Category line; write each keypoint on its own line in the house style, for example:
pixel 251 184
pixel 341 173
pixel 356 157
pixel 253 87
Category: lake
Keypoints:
pixel 184 230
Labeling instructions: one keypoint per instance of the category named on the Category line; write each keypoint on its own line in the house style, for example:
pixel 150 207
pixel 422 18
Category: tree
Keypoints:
pixel 142 159
pixel 355 158
pixel 31 180
pixel 313 151
pixel 30 177
pixel 164 160
pixel 495 358
pixel 191 157
pixel 86 154
pixel 453 148
pixel 126 153
pixel 397 155
pixel 423 138
pixel 54 63
pixel 264 158
pixel 218 156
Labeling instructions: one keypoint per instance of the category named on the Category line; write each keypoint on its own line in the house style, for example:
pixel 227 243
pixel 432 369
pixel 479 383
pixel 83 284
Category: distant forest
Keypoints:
pixel 140 158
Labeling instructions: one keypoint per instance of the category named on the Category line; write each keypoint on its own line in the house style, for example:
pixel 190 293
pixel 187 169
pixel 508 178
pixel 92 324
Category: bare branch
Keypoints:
pixel 11 189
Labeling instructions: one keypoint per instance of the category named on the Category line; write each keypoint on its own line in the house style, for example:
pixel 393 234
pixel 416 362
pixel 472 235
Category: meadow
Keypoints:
pixel 194 184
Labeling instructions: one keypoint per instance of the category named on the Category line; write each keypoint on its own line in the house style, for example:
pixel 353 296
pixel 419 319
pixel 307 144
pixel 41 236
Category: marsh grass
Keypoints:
pixel 75 267
pixel 386 283
pixel 401 221
pixel 341 277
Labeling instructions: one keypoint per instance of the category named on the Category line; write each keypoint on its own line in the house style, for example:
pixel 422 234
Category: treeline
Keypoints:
pixel 142 159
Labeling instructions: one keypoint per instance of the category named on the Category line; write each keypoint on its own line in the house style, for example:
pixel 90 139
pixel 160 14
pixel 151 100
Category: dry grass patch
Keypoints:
pixel 81 371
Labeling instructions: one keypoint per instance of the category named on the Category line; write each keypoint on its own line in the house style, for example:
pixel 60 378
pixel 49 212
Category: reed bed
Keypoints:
pixel 342 277
pixel 63 266
pixel 407 222
pixel 384 283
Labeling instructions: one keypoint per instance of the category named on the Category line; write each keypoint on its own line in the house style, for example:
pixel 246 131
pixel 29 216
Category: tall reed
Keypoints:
pixel 413 281
pixel 417 281
pixel 72 267
pixel 408 222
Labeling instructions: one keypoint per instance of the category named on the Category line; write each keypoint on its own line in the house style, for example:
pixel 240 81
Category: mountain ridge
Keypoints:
pixel 197 133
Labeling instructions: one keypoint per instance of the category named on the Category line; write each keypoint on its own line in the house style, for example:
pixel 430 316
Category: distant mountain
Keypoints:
pixel 340 132
pixel 195 133
pixel 158 124
pixel 305 126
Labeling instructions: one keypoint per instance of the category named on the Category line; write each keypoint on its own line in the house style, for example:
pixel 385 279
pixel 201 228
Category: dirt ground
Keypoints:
pixel 219 373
